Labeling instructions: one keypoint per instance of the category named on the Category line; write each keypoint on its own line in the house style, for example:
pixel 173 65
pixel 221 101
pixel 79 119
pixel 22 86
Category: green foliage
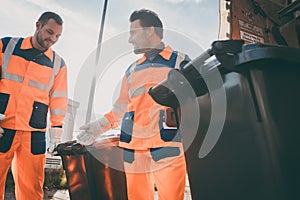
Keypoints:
pixel 54 179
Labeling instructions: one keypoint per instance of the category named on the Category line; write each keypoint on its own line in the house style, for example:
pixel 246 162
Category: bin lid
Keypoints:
pixel 263 52
pixel 108 139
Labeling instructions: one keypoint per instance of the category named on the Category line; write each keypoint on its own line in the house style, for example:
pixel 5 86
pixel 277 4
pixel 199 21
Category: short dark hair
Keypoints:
pixel 50 15
pixel 148 18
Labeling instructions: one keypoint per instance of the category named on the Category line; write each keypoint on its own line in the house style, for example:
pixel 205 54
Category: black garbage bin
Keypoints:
pixel 257 155
pixel 94 172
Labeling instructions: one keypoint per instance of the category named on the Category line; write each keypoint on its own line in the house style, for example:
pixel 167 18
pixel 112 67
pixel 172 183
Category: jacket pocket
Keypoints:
pixel 126 127
pixel 3 102
pixel 38 117
pixel 38 142
pixel 6 140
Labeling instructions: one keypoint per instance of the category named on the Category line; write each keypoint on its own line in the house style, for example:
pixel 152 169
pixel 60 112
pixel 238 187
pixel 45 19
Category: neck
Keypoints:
pixel 154 51
pixel 36 45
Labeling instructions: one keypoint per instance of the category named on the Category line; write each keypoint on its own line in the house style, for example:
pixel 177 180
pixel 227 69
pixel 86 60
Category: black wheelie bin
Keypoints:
pixel 256 154
pixel 94 172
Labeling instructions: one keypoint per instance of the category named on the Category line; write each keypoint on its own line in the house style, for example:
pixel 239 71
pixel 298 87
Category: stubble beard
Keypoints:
pixel 40 41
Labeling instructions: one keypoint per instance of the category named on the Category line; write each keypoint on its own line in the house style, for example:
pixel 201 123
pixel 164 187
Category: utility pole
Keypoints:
pixel 93 85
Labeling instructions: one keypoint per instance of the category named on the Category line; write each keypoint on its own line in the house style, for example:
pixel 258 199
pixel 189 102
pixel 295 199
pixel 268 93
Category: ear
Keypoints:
pixel 38 25
pixel 151 30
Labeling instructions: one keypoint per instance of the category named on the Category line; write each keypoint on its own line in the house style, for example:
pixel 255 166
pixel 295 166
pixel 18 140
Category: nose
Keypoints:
pixel 53 38
pixel 130 40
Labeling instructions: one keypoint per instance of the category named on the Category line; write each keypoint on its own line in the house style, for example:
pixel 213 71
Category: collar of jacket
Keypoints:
pixel 26 44
pixel 166 53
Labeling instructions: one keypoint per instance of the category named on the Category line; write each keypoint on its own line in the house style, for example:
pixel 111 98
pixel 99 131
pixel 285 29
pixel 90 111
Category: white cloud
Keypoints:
pixel 55 6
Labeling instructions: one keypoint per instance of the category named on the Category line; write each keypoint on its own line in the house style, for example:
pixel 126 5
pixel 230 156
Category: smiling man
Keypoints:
pixel 33 81
pixel 153 152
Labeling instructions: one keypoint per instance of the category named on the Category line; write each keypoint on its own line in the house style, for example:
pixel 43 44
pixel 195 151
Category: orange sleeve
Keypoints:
pixel 120 106
pixel 59 98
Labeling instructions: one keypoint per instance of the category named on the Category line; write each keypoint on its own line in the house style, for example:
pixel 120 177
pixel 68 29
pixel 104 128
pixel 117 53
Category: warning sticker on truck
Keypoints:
pixel 250 33
pixel 250 37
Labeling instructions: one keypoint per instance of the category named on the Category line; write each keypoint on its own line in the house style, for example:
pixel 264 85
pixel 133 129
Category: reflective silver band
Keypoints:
pixel 37 85
pixel 58 94
pixel 131 70
pixel 12 77
pixel 55 70
pixel 179 59
pixel 57 111
pixel 136 91
pixel 119 107
pixel 8 52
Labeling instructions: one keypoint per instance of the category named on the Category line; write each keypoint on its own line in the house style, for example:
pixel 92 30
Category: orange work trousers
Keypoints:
pixel 165 167
pixel 25 152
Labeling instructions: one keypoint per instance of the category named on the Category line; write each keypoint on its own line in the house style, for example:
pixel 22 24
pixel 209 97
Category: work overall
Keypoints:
pixel 31 83
pixel 153 153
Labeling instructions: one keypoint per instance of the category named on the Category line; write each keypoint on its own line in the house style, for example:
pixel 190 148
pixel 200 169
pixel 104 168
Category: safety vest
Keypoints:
pixel 143 123
pixel 31 83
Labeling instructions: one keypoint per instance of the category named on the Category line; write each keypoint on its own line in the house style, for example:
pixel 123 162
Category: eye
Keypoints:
pixel 50 32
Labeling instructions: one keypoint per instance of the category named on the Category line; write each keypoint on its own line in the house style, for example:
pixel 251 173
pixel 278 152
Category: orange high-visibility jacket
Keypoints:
pixel 142 124
pixel 31 82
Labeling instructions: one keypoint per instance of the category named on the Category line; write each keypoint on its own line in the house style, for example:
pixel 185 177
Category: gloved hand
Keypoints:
pixel 55 135
pixel 2 117
pixel 93 130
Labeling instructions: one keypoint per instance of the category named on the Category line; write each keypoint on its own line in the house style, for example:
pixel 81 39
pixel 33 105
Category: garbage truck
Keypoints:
pixel 237 104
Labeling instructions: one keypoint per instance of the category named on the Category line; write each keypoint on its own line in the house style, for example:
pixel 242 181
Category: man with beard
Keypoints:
pixel 153 152
pixel 33 81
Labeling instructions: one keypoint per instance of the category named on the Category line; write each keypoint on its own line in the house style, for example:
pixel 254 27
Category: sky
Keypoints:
pixel 190 26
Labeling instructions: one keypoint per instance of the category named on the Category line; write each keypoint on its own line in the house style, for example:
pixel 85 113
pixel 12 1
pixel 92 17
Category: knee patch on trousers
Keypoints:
pixel 164 152
pixel 38 142
pixel 128 155
pixel 6 140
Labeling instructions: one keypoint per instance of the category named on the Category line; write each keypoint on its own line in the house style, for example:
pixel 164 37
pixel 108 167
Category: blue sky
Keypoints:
pixel 196 21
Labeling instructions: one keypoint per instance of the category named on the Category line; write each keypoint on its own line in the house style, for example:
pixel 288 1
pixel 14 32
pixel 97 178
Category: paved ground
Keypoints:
pixel 64 194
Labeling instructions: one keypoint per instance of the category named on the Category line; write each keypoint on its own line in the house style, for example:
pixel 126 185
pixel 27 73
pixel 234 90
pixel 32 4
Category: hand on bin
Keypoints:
pixel 92 130
pixel 2 117
pixel 55 135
